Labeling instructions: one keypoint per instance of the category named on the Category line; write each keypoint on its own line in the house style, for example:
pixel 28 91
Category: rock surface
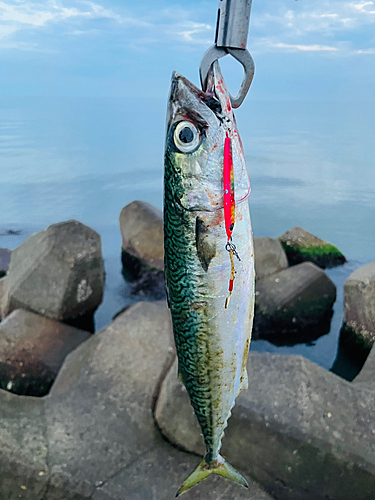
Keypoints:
pixel 359 307
pixel 94 436
pixel 297 299
pixel 301 246
pixel 5 255
pixel 158 474
pixel 366 377
pixel 288 430
pixel 99 412
pixel 32 350
pixel 23 448
pixel 269 257
pixel 2 294
pixel 141 226
pixel 103 396
pixel 57 273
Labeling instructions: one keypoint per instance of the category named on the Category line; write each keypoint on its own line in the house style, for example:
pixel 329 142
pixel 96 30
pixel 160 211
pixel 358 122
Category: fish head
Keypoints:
pixel 197 124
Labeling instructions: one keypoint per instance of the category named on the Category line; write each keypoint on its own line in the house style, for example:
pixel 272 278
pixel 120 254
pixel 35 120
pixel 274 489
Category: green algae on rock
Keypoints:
pixel 301 246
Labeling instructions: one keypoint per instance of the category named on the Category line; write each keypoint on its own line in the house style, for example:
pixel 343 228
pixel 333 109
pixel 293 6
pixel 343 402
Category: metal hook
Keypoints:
pixel 231 37
pixel 242 55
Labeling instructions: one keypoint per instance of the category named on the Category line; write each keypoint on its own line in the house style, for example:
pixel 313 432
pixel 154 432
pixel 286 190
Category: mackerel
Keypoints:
pixel 209 267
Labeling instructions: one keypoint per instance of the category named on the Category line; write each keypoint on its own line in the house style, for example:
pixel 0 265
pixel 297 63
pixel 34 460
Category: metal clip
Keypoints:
pixel 231 37
pixel 230 247
pixel 233 20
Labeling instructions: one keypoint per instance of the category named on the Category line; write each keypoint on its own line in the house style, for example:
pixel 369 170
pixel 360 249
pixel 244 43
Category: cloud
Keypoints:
pixel 25 14
pixel 301 48
pixel 325 26
pixel 365 7
pixel 365 51
pixel 33 14
pixel 97 11
pixel 326 17
pixel 154 26
pixel 186 31
pixel 315 26
pixel 6 31
pixel 25 47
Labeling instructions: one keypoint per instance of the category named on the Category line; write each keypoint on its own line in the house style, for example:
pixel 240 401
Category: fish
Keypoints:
pixel 209 266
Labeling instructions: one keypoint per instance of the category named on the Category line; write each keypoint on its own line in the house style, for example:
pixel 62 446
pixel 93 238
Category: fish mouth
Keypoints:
pixel 179 82
pixel 182 89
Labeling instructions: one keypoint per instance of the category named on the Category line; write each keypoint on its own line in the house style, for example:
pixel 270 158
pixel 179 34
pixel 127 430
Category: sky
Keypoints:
pixel 303 49
pixel 83 94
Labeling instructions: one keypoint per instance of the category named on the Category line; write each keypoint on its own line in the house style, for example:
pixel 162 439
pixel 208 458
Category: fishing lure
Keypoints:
pixel 229 210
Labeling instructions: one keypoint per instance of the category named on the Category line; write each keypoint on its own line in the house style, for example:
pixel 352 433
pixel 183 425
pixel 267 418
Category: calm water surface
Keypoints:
pixel 311 164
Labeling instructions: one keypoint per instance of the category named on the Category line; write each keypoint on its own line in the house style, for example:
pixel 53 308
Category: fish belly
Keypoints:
pixel 212 341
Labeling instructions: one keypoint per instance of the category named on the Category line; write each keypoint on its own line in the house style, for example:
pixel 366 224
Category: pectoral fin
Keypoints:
pixel 206 246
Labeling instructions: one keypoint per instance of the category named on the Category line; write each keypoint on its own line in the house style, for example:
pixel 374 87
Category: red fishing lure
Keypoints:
pixel 229 208
pixel 228 185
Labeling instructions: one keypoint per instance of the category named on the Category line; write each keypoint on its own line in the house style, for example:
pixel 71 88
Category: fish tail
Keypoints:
pixel 221 468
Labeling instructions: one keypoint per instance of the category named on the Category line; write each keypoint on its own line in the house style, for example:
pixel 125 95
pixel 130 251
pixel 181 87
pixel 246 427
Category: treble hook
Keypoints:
pixel 231 37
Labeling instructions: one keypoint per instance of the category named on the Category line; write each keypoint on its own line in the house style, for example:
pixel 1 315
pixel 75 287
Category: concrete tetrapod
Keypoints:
pixel 4 261
pixel 295 302
pixel 57 273
pixel 359 309
pixel 32 350
pixel 269 257
pixel 141 226
pixel 299 430
pixel 366 377
pixel 94 436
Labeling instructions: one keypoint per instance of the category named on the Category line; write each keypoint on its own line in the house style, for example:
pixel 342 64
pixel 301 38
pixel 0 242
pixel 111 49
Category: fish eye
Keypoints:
pixel 186 137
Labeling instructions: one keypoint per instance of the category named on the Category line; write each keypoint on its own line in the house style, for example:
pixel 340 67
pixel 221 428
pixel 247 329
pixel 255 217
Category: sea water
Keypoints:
pixel 311 164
